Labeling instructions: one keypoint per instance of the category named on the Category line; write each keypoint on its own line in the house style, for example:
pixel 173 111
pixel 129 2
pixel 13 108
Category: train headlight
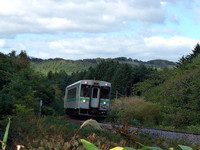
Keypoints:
pixel 104 103
pixel 85 82
pixel 83 100
pixel 106 84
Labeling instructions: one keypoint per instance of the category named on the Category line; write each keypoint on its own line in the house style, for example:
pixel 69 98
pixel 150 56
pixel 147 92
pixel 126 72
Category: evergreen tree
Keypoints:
pixel 188 59
pixel 195 52
pixel 122 80
pixel 23 60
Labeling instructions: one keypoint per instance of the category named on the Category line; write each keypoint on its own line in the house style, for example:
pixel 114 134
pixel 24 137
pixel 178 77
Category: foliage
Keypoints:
pixel 57 65
pixel 183 147
pixel 5 138
pixel 90 146
pixel 70 66
pixel 135 110
pixel 44 132
pixel 21 86
pixel 50 133
pixel 178 90
pixel 188 59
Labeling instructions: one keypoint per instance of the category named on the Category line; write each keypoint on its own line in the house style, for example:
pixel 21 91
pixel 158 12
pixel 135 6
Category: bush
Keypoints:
pixel 178 117
pixel 135 110
pixel 34 132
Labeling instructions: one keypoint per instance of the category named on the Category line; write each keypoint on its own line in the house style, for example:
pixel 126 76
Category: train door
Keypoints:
pixel 95 97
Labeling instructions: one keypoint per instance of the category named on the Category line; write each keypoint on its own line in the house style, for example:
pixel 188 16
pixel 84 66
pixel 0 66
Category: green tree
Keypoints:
pixel 188 59
pixel 122 80
pixel 23 60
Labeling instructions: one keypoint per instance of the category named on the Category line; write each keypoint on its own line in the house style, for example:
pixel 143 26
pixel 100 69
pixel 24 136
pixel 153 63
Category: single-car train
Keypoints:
pixel 88 98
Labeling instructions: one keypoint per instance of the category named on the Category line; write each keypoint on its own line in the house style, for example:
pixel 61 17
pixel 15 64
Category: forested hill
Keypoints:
pixel 70 66
pixel 56 65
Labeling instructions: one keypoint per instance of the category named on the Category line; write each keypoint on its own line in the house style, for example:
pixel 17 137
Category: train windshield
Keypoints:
pixel 85 90
pixel 105 92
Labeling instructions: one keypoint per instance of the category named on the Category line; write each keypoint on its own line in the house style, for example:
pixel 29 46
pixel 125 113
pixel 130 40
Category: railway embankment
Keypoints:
pixel 168 135
pixel 182 137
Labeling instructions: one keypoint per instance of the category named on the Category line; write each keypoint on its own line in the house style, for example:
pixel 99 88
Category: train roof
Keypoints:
pixel 91 82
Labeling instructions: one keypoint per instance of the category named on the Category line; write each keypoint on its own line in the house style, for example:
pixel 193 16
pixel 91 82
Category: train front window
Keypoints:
pixel 105 92
pixel 85 90
pixel 95 93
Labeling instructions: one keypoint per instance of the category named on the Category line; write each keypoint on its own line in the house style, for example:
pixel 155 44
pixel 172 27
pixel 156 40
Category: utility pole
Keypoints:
pixel 40 111
pixel 116 97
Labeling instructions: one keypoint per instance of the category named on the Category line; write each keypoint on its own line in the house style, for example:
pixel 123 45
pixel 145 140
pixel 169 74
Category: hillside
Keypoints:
pixel 55 65
pixel 70 66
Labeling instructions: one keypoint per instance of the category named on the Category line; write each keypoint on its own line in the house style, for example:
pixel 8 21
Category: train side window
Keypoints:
pixel 71 93
pixel 85 90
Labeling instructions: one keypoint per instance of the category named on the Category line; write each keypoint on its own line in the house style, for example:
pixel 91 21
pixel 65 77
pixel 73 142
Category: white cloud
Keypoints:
pixel 170 48
pixel 173 42
pixel 109 46
pixel 50 16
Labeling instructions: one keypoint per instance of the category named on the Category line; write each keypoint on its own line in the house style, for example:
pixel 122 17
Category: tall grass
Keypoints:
pixel 135 111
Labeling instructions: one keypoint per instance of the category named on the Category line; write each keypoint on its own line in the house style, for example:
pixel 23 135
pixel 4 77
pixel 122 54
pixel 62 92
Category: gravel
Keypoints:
pixel 182 137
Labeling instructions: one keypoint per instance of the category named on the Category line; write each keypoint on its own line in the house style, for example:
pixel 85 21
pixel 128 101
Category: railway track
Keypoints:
pixel 186 137
pixel 189 138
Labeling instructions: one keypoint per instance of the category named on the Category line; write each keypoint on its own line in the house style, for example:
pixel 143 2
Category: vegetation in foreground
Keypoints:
pixel 56 133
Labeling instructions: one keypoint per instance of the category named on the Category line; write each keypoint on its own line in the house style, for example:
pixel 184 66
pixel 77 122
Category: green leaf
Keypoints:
pixel 148 147
pixel 129 148
pixel 88 145
pixel 151 148
pixel 5 138
pixel 183 147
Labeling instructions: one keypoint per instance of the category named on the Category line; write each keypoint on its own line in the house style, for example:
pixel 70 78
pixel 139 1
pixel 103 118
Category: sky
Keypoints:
pixel 82 29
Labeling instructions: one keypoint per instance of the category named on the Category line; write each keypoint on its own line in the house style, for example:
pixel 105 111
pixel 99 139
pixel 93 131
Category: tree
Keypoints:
pixel 23 60
pixel 122 80
pixel 195 52
pixel 188 59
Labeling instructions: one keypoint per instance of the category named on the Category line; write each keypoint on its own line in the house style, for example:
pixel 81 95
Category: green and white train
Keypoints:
pixel 88 98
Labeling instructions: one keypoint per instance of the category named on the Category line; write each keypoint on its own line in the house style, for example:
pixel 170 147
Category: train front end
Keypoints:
pixel 95 98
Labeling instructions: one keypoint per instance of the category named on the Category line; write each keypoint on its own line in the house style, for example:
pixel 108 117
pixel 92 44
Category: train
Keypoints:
pixel 88 98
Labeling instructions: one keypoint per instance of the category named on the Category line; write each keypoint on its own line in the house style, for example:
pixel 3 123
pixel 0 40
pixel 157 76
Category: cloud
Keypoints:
pixel 107 46
pixel 173 48
pixel 175 41
pixel 51 16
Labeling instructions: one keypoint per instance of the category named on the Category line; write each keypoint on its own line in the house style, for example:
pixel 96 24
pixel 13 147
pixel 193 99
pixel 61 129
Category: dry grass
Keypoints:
pixel 130 109
pixel 92 123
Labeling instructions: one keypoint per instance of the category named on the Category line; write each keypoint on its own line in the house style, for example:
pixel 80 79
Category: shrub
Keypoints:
pixel 178 117
pixel 135 110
